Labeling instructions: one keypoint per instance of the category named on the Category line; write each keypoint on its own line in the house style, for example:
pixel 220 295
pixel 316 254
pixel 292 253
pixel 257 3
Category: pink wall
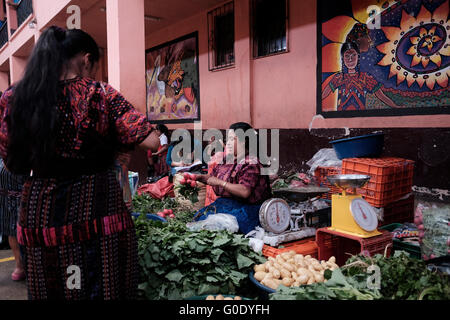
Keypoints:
pixel 271 92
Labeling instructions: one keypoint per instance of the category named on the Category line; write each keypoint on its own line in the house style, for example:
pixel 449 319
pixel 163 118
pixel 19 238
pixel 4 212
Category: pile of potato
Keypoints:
pixel 292 270
pixel 221 297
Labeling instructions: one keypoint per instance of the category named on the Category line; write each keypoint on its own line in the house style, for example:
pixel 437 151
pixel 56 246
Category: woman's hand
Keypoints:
pixel 209 180
pixel 203 178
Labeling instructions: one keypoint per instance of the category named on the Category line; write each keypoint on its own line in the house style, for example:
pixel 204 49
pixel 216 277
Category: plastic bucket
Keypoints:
pixel 370 146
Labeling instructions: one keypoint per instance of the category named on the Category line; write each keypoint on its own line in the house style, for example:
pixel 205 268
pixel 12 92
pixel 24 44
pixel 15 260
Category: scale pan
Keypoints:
pixel 300 194
pixel 345 181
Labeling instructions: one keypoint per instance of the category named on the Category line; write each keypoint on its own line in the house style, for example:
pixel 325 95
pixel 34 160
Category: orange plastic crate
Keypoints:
pixel 343 246
pixel 305 247
pixel 321 174
pixel 400 211
pixel 391 178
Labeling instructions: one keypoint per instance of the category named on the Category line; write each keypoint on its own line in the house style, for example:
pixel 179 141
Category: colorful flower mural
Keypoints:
pixel 401 57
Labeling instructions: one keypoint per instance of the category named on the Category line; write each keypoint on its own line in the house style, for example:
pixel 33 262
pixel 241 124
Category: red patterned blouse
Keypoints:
pixel 95 122
pixel 247 173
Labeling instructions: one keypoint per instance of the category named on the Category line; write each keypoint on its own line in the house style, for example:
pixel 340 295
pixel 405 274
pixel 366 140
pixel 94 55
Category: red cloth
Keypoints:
pixel 158 190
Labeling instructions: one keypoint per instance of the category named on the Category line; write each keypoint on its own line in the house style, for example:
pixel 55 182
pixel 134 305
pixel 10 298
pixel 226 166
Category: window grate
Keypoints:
pixel 24 9
pixel 3 33
pixel 221 37
pixel 269 27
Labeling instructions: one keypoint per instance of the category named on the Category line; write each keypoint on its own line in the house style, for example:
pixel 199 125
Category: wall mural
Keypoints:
pixel 380 58
pixel 172 76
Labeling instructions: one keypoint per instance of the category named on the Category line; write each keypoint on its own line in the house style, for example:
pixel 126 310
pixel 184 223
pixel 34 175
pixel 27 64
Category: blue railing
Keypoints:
pixel 24 10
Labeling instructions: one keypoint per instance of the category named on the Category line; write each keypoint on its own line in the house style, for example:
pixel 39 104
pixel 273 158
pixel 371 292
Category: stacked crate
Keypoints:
pixel 321 174
pixel 391 180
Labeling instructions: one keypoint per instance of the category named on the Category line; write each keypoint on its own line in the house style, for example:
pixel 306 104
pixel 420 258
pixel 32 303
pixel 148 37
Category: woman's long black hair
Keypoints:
pixel 32 124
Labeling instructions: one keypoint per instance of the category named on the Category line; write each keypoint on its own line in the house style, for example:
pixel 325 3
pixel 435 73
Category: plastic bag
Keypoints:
pixel 158 190
pixel 215 222
pixel 324 158
pixel 256 237
pixel 432 220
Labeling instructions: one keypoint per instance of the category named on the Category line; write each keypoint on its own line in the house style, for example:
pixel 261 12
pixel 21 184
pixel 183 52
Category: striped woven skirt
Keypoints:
pixel 78 239
pixel 10 191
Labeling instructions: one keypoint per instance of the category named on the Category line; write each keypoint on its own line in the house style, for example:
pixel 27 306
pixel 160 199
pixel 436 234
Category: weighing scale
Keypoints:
pixel 350 213
pixel 281 223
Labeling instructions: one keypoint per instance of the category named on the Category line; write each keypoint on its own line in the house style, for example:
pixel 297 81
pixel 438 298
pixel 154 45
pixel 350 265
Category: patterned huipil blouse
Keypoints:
pixel 248 173
pixel 72 212
pixel 353 89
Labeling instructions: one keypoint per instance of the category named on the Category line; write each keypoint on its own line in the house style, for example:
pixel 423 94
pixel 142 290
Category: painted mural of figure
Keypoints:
pixel 354 85
pixel 177 77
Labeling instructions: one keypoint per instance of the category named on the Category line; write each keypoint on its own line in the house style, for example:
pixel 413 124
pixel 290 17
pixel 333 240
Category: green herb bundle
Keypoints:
pixel 402 277
pixel 178 264
pixel 188 192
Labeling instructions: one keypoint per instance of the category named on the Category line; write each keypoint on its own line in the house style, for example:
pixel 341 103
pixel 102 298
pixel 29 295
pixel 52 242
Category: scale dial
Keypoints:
pixel 363 214
pixel 275 215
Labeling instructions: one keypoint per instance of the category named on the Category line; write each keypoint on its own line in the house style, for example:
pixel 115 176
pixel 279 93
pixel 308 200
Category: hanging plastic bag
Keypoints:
pixel 324 158
pixel 215 222
pixel 433 221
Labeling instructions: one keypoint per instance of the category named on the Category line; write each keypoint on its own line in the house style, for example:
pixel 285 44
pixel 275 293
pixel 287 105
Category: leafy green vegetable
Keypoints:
pixel 402 277
pixel 177 263
pixel 144 203
pixel 338 287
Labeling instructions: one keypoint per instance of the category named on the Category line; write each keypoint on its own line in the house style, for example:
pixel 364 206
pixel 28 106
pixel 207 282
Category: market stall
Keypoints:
pixel 342 236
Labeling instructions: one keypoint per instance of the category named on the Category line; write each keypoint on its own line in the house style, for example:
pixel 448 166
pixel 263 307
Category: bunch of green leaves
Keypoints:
pixel 336 287
pixel 188 192
pixel 177 263
pixel 279 184
pixel 144 203
pixel 403 277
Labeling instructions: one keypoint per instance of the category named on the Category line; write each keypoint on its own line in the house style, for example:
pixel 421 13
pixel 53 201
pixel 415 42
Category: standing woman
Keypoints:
pixel 63 130
pixel 161 166
pixel 10 191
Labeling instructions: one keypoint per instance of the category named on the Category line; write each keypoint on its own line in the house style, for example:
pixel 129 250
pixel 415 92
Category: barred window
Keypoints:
pixel 221 37
pixel 269 27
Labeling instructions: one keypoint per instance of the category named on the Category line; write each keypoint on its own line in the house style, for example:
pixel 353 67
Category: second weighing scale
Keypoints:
pixel 350 213
pixel 283 224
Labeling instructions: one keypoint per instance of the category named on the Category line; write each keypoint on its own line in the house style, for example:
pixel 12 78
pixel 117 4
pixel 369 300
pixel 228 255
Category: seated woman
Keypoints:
pixel 240 186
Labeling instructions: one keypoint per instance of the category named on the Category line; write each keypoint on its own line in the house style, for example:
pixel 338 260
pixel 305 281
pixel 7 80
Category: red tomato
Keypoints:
pixel 166 211
pixel 170 211
pixel 171 216
pixel 186 175
pixel 193 177
pixel 193 184
pixel 183 181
